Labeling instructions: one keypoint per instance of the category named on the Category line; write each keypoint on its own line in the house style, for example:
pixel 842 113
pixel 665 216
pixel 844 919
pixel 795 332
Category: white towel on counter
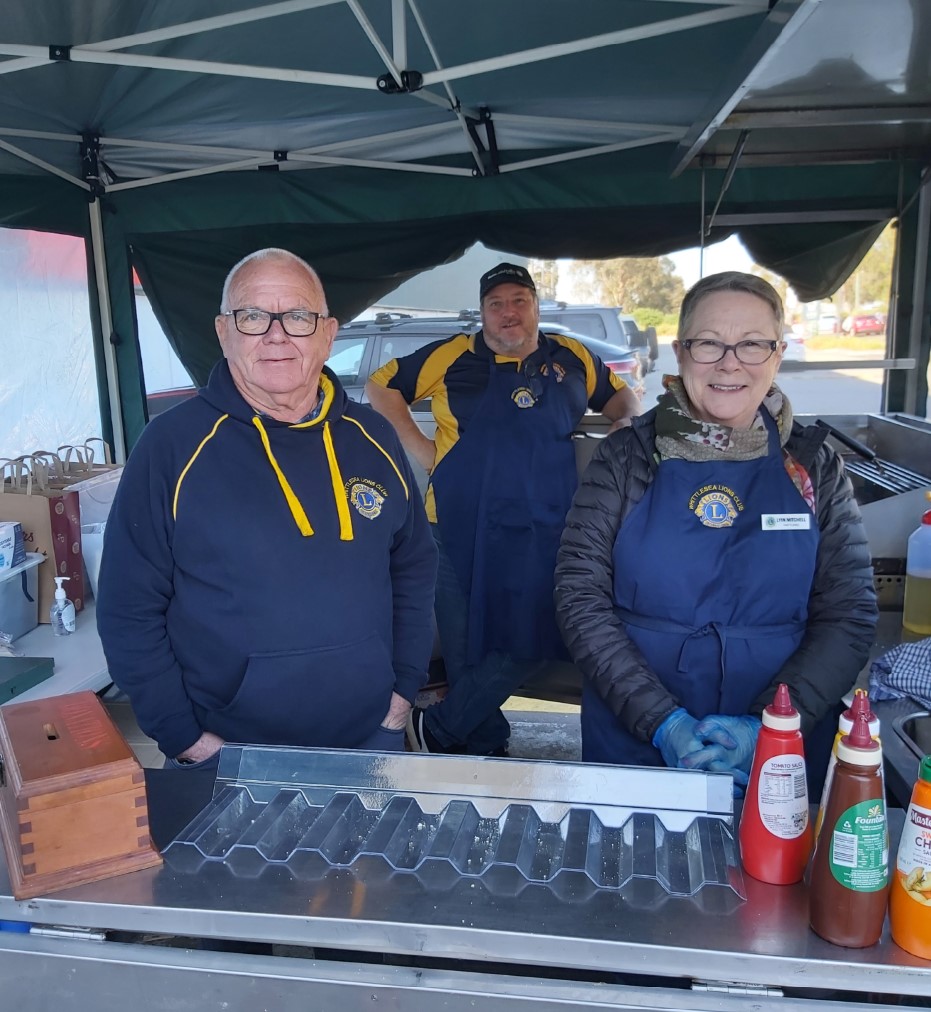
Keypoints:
pixel 904 671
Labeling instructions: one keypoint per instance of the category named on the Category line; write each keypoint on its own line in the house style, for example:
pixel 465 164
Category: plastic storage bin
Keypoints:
pixel 19 597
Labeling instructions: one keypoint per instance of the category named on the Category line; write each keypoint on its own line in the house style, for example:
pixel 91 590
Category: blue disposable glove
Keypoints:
pixel 732 739
pixel 741 779
pixel 676 738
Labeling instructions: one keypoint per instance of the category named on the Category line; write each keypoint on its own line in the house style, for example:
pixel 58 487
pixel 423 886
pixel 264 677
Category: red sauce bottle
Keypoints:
pixel 775 830
pixel 850 868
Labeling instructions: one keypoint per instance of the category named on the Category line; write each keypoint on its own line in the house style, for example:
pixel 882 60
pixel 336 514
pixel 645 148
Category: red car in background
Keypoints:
pixel 864 324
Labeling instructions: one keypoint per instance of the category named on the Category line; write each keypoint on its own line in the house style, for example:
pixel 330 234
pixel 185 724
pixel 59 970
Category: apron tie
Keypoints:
pixel 719 629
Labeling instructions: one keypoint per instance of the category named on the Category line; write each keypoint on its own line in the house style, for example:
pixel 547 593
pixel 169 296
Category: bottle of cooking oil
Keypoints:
pixel 916 616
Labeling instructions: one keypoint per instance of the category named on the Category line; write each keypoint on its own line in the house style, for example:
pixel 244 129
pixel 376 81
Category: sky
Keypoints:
pixel 728 255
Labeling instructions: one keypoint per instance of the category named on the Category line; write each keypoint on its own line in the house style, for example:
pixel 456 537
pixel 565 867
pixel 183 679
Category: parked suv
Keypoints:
pixel 605 323
pixel 361 348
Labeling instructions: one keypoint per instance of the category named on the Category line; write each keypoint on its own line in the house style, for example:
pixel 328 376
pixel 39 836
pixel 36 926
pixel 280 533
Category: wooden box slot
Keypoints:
pixel 72 796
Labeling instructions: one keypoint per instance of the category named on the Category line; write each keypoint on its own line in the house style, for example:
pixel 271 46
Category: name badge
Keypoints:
pixel 786 521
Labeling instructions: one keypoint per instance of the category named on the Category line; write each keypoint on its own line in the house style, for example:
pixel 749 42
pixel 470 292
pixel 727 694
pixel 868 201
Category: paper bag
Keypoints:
pixel 51 522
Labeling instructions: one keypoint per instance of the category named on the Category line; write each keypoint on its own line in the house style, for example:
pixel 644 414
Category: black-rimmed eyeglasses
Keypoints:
pixel 294 322
pixel 706 352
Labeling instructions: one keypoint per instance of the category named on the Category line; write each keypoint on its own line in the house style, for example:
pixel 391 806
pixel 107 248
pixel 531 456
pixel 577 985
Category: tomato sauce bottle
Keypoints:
pixel 775 831
pixel 910 899
pixel 850 867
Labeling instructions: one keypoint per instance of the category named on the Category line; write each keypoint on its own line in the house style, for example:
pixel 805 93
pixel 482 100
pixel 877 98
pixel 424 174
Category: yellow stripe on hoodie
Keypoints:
pixel 187 466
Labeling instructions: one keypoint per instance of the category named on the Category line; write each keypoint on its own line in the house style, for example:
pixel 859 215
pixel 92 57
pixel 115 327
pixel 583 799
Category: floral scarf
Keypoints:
pixel 682 436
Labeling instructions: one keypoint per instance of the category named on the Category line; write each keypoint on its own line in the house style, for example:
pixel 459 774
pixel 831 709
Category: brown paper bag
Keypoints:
pixel 51 521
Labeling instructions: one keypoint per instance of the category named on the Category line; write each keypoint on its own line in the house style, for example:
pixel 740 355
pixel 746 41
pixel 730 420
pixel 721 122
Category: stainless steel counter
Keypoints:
pixel 456 944
pixel 369 908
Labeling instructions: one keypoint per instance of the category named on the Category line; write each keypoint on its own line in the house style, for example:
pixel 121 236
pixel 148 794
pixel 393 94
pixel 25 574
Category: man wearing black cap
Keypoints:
pixel 502 475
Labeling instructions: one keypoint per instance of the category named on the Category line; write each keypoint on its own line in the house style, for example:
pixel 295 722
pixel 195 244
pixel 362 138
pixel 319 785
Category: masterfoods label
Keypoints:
pixel 782 795
pixel 859 857
pixel 914 861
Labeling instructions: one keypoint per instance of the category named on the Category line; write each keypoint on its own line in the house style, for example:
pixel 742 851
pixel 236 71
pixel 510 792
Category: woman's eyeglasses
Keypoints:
pixel 706 352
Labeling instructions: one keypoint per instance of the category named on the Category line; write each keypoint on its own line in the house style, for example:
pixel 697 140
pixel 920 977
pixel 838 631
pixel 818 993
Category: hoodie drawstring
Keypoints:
pixel 336 480
pixel 294 504
pixel 339 493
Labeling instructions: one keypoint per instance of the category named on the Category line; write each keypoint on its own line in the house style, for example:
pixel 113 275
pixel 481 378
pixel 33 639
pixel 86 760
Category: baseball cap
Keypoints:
pixel 505 274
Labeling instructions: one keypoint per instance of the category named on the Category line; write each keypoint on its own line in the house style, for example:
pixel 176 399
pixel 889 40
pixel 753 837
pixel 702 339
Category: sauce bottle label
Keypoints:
pixel 914 861
pixel 782 795
pixel 859 857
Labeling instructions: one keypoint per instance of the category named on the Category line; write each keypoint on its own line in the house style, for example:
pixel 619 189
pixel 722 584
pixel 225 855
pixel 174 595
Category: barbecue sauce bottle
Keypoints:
pixel 850 868
pixel 775 831
pixel 910 899
pixel 861 701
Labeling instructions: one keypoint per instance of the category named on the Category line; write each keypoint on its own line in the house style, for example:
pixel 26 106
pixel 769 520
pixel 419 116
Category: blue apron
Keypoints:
pixel 711 581
pixel 502 494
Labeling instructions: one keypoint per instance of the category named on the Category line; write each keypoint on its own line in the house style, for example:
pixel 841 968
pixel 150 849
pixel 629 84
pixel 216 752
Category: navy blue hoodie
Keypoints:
pixel 271 583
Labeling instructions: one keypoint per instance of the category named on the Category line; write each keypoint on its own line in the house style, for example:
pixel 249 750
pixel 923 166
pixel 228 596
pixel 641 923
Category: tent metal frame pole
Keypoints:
pixel 780 24
pixel 593 124
pixel 625 35
pixel 399 32
pixel 919 308
pixel 42 164
pixel 804 217
pixel 393 69
pixel 454 103
pixel 134 184
pixel 603 149
pixel 106 330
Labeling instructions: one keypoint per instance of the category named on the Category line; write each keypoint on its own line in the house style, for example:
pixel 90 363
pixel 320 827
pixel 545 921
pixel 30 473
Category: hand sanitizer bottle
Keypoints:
pixel 61 614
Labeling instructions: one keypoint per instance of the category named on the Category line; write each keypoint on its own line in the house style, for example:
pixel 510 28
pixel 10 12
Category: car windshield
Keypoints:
pixel 346 357
pixel 582 323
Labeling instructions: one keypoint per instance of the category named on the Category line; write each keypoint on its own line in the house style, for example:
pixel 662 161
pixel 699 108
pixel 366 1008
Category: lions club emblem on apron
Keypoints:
pixel 715 506
pixel 523 397
pixel 366 498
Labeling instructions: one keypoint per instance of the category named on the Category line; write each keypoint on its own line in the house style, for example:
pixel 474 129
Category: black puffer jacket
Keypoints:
pixel 841 610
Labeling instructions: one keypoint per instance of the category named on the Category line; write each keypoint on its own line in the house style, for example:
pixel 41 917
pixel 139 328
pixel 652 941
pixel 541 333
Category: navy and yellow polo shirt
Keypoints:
pixel 454 374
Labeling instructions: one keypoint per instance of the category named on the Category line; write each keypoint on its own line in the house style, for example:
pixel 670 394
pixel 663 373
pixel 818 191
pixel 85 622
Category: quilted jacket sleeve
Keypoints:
pixel 613 485
pixel 842 609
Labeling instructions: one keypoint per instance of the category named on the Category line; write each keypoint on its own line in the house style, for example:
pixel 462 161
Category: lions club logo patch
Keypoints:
pixel 366 496
pixel 715 505
pixel 523 397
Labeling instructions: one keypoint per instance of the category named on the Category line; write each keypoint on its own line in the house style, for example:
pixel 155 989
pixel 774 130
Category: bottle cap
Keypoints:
pixel 780 714
pixel 858 747
pixel 924 769
pixel 859 704
pixel 60 591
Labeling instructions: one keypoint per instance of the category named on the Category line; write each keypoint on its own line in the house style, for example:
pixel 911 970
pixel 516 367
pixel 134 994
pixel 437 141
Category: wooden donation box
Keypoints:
pixel 72 796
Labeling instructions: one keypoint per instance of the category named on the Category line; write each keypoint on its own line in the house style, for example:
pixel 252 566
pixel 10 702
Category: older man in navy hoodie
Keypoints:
pixel 268 569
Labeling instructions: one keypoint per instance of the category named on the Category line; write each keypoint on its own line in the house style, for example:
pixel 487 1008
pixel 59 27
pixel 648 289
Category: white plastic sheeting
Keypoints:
pixel 48 385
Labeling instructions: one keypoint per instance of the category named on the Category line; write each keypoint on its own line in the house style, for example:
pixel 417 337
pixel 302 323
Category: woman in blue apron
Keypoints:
pixel 713 551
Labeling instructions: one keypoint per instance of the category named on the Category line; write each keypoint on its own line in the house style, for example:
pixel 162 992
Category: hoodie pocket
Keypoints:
pixel 332 697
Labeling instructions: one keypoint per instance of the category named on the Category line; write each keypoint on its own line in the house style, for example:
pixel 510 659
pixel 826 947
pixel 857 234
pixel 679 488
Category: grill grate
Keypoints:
pixel 886 475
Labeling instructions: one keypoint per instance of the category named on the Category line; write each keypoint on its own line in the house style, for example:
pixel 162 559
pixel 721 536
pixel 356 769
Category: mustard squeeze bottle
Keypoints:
pixel 910 899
